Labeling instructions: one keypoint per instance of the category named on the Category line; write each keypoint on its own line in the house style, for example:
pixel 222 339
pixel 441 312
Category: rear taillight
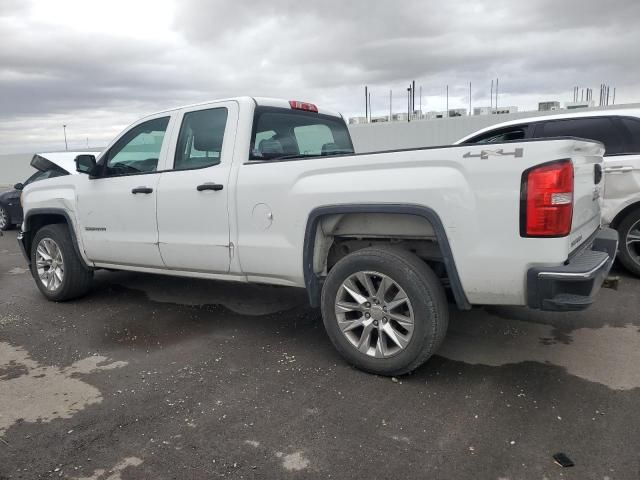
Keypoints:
pixel 546 201
pixel 307 107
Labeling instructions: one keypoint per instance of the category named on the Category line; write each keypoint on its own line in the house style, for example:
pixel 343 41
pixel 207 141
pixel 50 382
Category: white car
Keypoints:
pixel 619 131
pixel 270 191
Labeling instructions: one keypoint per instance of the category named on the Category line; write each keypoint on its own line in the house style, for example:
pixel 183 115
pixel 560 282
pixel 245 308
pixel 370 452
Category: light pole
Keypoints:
pixel 64 129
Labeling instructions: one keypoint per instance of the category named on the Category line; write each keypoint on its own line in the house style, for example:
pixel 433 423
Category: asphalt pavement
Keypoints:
pixel 154 377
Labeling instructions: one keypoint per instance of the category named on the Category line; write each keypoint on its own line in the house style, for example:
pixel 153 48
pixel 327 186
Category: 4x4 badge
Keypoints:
pixel 484 154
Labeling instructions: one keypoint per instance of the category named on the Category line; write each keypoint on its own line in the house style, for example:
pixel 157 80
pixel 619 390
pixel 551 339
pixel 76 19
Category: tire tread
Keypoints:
pixel 77 279
pixel 432 291
pixel 623 228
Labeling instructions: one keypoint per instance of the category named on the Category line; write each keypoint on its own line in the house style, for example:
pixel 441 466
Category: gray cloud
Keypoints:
pixel 98 80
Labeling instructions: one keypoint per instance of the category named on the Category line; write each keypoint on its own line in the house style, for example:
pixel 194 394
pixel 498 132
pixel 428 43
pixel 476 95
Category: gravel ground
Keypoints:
pixel 152 377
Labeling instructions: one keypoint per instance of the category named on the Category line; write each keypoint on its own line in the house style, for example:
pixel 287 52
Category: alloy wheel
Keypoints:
pixel 49 264
pixel 632 242
pixel 375 314
pixel 4 219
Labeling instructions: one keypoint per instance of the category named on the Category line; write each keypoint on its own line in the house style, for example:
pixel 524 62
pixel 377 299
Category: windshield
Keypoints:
pixel 279 134
pixel 43 175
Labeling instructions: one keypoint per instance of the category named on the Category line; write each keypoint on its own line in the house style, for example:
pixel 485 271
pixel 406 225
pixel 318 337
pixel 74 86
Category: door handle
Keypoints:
pixel 618 169
pixel 142 190
pixel 210 186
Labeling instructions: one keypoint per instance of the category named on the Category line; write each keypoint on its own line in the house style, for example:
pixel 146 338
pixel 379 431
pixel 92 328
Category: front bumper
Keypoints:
pixel 573 286
pixel 23 247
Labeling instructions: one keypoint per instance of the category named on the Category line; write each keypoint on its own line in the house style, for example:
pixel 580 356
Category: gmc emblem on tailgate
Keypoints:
pixel 484 154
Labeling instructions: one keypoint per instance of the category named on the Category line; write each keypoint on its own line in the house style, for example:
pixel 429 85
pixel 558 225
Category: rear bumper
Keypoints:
pixel 573 286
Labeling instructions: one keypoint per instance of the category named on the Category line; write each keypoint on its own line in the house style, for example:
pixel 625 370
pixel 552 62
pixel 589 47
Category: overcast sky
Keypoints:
pixel 99 65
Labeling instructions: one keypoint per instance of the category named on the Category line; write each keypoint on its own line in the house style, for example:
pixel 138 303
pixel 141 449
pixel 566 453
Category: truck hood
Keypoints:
pixel 61 161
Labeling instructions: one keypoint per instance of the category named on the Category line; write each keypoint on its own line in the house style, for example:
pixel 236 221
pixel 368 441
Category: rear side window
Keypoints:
pixel 601 129
pixel 632 126
pixel 200 139
pixel 502 135
pixel 279 133
pixel 313 138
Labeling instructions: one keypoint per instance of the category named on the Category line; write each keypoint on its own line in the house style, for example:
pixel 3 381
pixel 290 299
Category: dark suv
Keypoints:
pixel 10 208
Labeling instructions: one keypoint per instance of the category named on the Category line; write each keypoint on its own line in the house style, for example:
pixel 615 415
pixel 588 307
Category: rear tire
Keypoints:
pixel 55 265
pixel 629 248
pixel 363 326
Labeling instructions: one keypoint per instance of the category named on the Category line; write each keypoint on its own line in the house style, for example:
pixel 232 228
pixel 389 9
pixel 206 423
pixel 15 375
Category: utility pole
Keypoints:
pixel 413 96
pixel 366 104
pixel 64 129
pixel 447 102
pixel 497 80
pixel 614 96
pixel 421 99
pixel 390 105
pixel 491 101
pixel 409 103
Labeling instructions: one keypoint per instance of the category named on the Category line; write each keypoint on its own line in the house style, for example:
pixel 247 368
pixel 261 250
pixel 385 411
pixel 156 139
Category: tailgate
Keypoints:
pixel 588 187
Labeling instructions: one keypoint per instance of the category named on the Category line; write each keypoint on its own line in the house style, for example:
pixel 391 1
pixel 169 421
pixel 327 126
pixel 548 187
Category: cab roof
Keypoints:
pixel 258 101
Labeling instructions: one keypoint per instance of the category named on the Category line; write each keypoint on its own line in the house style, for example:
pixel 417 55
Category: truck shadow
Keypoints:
pixel 153 311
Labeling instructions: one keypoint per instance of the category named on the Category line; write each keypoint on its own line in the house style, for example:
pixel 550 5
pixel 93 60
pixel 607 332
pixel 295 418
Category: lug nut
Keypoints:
pixel 375 322
pixel 368 305
pixel 384 309
pixel 384 319
pixel 366 315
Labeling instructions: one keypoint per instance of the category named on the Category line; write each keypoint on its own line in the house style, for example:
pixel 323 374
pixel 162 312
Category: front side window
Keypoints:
pixel 200 139
pixel 138 150
pixel 600 129
pixel 279 133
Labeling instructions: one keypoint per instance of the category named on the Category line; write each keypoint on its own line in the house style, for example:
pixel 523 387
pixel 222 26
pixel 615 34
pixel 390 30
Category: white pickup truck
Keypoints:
pixel 271 191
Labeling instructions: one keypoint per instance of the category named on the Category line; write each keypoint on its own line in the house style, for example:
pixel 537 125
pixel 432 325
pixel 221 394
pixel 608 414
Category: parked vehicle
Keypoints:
pixel 48 165
pixel 619 131
pixel 270 191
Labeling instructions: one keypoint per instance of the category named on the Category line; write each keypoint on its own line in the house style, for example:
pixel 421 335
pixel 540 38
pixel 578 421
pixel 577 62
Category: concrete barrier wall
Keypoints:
pixel 14 168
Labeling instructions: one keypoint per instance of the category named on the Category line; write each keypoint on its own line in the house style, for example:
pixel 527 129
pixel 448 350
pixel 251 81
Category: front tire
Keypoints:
pixel 384 310
pixel 55 265
pixel 629 249
pixel 5 219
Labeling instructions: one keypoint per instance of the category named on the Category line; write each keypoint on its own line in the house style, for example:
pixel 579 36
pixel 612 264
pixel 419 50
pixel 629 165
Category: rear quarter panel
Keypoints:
pixel 477 200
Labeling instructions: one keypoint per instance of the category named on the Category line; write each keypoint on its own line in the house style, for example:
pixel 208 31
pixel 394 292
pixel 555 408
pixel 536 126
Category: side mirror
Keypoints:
pixel 18 186
pixel 85 163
